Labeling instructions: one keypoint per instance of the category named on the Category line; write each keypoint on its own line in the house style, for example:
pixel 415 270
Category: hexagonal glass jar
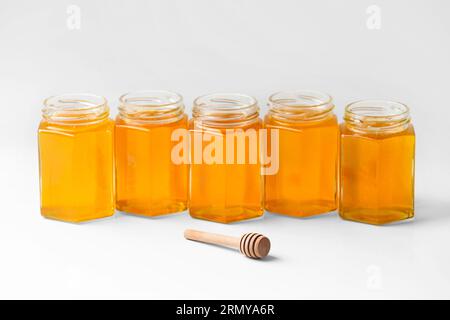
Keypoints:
pixel 149 181
pixel 76 158
pixel 226 181
pixel 377 162
pixel 306 181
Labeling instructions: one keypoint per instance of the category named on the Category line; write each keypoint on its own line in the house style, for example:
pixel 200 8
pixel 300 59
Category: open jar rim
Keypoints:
pixel 75 108
pixel 377 108
pixel 377 115
pixel 300 98
pixel 156 106
pixel 225 101
pixel 150 98
pixel 300 105
pixel 225 109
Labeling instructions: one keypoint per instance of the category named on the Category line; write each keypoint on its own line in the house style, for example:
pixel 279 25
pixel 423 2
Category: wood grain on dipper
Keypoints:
pixel 253 245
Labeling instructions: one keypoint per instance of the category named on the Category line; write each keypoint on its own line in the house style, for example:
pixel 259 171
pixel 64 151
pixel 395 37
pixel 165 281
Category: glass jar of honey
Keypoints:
pixel 76 158
pixel 308 136
pixel 226 181
pixel 148 180
pixel 377 162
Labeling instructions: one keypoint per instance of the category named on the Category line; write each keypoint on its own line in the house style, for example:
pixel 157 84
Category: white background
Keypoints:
pixel 201 46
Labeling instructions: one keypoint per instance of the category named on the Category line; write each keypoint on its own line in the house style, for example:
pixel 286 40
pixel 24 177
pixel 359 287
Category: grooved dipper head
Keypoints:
pixel 254 245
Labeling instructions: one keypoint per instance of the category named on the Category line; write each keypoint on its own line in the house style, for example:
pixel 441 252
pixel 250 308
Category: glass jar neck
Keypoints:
pixel 377 116
pixel 225 110
pixel 299 106
pixel 75 109
pixel 155 106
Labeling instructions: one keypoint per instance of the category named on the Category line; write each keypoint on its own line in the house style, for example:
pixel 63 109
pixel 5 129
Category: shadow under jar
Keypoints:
pixel 377 162
pixel 306 181
pixel 76 158
pixel 148 181
pixel 226 182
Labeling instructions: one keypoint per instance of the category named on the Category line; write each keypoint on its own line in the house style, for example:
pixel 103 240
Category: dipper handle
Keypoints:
pixel 213 238
pixel 253 245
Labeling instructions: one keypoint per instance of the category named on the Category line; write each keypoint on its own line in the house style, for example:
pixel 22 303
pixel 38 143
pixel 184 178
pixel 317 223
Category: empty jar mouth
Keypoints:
pixel 157 106
pixel 82 108
pixel 300 105
pixel 377 115
pixel 223 109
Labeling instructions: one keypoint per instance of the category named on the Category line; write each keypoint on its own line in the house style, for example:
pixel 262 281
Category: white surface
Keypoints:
pixel 196 47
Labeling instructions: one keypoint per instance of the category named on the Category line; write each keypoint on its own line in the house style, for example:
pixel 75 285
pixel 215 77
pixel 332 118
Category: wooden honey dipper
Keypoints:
pixel 253 245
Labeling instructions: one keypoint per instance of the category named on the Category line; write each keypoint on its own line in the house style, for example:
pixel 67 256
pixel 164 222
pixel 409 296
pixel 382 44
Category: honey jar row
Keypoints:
pixel 226 163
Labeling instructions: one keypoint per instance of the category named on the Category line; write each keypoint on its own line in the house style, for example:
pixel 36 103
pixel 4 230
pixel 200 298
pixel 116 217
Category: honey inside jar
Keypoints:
pixel 377 162
pixel 76 158
pixel 226 182
pixel 148 181
pixel 306 182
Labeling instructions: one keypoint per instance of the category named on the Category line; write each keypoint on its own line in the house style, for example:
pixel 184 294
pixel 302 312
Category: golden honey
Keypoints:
pixel 226 181
pixel 76 158
pixel 148 181
pixel 377 162
pixel 306 181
